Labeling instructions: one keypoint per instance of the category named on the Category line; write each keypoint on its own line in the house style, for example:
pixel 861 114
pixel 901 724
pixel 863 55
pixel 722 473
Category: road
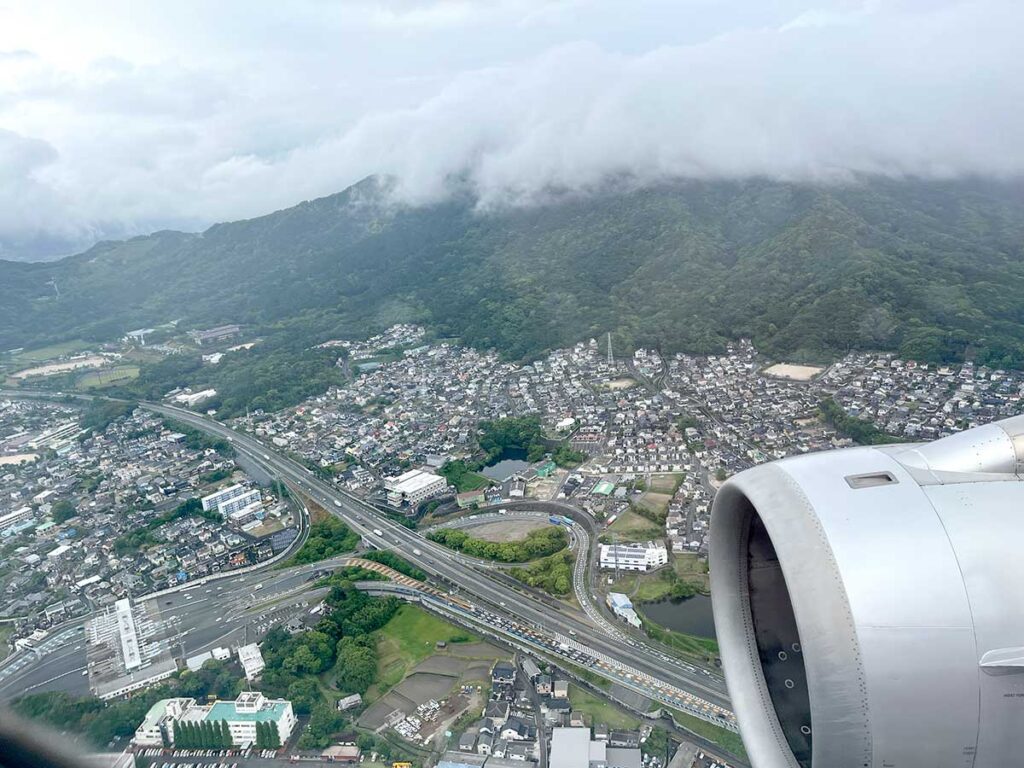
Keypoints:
pixel 442 563
pixel 220 613
pixel 650 666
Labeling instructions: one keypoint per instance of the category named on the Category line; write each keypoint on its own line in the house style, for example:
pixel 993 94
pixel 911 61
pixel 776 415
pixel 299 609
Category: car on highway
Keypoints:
pixel 378 532
pixel 337 503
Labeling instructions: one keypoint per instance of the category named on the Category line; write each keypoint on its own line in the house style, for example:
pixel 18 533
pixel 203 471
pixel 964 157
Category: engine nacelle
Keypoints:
pixel 869 604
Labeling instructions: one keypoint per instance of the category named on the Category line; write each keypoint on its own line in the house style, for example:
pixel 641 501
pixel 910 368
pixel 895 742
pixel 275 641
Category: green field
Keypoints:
pixel 632 527
pixel 42 354
pixel 667 483
pixel 409 638
pixel 725 739
pixel 471 481
pixel 600 710
pixel 701 648
pixel 107 377
pixel 656 503
pixel 690 566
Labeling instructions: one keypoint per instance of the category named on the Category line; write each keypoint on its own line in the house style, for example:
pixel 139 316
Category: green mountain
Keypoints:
pixel 933 269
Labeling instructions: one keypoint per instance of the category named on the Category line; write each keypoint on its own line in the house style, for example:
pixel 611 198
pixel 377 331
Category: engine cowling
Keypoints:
pixel 869 604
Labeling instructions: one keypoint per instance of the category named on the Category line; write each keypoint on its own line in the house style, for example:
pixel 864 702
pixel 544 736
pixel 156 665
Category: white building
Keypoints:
pixel 413 486
pixel 215 499
pixel 241 715
pixel 247 514
pixel 634 557
pixel 190 399
pixel 573 748
pixel 251 660
pixel 622 607
pixel 15 517
pixel 228 507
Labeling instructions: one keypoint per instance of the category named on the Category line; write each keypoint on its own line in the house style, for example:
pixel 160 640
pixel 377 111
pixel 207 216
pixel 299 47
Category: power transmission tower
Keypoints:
pixel 611 360
pixel 55 288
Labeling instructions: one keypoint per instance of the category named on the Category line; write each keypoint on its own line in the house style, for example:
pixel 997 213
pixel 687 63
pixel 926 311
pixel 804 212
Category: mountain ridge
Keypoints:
pixel 932 269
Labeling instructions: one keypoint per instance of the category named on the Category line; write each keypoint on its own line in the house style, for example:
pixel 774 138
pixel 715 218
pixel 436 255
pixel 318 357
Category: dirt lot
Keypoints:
pixel 434 678
pixel 442 665
pixel 510 529
pixel 416 689
pixel 793 372
pixel 621 383
pixel 477 651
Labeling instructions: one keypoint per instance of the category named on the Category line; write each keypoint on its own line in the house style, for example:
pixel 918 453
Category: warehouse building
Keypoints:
pixel 634 557
pixel 414 486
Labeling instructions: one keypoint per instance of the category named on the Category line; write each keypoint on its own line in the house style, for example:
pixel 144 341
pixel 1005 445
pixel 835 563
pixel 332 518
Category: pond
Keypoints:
pixel 507 464
pixel 691 615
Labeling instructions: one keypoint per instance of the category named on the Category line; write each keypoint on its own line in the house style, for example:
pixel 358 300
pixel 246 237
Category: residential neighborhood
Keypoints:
pixel 89 518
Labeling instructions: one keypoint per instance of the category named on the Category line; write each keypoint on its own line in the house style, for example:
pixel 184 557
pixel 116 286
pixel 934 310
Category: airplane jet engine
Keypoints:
pixel 869 604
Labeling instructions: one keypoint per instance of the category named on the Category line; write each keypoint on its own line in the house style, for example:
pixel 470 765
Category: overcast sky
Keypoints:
pixel 124 117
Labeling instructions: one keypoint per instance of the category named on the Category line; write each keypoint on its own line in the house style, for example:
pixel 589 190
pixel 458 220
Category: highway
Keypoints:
pixel 460 573
pixel 219 613
pixel 206 621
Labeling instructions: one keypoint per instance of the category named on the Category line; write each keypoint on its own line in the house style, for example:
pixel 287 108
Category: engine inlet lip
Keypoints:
pixel 835 674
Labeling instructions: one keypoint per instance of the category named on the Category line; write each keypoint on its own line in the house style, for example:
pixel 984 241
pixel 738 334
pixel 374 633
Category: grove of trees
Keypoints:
pixel 537 543
pixel 552 574
pixel 327 538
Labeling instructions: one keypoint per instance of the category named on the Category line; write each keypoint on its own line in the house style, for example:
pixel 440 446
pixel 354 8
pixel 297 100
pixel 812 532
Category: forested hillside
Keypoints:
pixel 931 269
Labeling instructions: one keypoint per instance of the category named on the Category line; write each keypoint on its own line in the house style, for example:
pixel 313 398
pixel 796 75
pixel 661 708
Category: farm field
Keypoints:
pixel 42 354
pixel 600 710
pixel 630 527
pixel 107 377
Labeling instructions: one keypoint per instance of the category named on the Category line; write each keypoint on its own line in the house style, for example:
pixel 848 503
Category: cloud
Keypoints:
pixel 569 99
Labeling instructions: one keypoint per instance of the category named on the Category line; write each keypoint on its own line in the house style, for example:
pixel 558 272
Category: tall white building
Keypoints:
pixel 231 506
pixel 241 715
pixel 413 486
pixel 224 494
pixel 634 557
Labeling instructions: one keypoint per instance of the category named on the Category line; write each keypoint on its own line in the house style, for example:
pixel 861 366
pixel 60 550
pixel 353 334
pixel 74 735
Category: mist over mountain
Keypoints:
pixel 111 130
pixel 930 268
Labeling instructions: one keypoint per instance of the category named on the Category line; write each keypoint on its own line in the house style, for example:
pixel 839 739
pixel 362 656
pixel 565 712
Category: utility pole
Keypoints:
pixel 615 554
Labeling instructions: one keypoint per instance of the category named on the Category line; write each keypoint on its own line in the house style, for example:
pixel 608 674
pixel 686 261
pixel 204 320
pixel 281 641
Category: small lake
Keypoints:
pixel 691 615
pixel 507 465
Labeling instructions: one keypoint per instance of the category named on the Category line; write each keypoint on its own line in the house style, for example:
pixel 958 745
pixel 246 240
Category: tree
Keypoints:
pixel 183 735
pixel 225 732
pixel 303 694
pixel 357 664
pixel 63 511
pixel 273 736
